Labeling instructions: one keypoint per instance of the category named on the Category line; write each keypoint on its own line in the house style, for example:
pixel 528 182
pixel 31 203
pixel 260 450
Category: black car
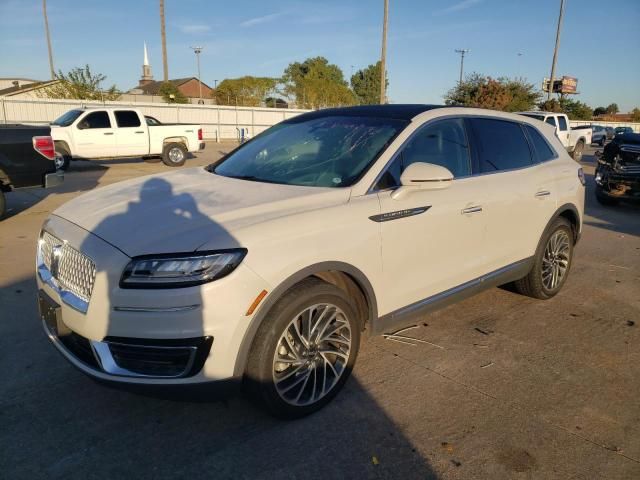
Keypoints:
pixel 26 159
pixel 618 170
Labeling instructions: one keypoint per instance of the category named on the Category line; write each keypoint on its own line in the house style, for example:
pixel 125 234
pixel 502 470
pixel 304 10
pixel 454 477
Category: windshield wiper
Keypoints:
pixel 251 178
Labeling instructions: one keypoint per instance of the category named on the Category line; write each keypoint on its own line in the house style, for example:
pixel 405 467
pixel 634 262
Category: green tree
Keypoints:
pixel 244 91
pixel 80 83
pixel 599 111
pixel 576 110
pixel 480 91
pixel 613 109
pixel 171 94
pixel 552 105
pixel 635 114
pixel 365 84
pixel 316 83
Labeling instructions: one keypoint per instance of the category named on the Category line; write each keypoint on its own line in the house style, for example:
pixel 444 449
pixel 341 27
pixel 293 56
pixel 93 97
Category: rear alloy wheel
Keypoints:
pixel 304 350
pixel 552 262
pixel 174 155
pixel 577 151
pixel 62 158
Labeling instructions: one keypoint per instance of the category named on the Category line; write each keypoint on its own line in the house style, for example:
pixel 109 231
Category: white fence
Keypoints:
pixel 218 122
pixel 634 125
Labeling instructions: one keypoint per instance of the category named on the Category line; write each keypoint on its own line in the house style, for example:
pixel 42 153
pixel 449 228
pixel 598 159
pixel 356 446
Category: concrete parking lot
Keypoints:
pixel 507 387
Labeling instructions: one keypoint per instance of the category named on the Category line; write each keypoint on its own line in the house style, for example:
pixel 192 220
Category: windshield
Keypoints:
pixel 68 118
pixel 320 152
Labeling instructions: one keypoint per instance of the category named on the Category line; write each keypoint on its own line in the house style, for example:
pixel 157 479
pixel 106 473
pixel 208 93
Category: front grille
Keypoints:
pixel 72 270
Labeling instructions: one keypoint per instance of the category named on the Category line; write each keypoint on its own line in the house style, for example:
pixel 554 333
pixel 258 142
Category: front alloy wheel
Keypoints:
pixel 304 349
pixel 312 354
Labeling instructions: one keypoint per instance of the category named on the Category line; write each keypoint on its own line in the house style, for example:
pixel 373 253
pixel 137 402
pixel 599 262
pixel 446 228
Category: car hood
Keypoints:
pixel 181 211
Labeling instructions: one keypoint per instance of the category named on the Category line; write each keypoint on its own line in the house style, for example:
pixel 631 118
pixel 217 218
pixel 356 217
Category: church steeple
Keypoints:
pixel 147 76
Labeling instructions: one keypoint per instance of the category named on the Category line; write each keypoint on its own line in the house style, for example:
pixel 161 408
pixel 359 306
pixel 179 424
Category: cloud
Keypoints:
pixel 457 7
pixel 260 20
pixel 194 29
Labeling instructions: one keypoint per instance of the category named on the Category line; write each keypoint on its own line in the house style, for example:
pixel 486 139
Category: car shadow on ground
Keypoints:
pixel 76 426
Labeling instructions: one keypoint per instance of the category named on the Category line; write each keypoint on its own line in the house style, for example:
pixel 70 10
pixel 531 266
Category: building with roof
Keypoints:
pixel 148 89
pixel 24 87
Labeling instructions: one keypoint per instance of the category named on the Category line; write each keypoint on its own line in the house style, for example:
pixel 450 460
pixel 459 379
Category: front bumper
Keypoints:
pixel 616 185
pixel 149 337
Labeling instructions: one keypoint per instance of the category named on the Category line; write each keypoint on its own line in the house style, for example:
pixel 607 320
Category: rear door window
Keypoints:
pixel 543 152
pixel 501 145
pixel 127 118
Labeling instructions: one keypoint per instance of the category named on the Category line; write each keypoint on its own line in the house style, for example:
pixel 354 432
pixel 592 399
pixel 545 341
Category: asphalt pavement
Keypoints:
pixel 505 387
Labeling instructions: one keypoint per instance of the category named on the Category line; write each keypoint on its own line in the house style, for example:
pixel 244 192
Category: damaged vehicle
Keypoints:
pixel 618 172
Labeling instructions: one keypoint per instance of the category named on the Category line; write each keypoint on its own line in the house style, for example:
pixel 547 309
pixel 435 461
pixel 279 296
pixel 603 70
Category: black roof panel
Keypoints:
pixel 399 111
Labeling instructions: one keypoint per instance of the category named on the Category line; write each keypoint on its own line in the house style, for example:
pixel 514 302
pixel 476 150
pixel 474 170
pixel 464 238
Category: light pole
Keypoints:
pixel 197 51
pixel 383 56
pixel 462 52
pixel 46 29
pixel 555 50
pixel 163 35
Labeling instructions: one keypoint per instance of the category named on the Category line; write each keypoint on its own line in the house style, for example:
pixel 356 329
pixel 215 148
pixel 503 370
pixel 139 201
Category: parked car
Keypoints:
pixel 599 135
pixel 617 174
pixel 623 130
pixel 26 160
pixel 89 133
pixel 610 132
pixel 574 140
pixel 265 267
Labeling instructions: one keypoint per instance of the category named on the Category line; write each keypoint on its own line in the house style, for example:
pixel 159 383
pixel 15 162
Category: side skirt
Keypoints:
pixel 407 315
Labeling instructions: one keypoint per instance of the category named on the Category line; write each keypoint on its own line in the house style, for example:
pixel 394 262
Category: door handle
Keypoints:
pixel 108 133
pixel 140 131
pixel 543 193
pixel 473 209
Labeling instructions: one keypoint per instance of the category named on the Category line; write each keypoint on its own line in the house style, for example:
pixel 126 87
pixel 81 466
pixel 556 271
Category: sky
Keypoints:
pixel 599 43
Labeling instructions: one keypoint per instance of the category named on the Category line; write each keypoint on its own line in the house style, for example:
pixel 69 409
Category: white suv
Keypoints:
pixel 266 266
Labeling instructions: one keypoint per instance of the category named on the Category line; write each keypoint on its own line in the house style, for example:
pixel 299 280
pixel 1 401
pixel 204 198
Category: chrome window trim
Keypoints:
pixel 372 187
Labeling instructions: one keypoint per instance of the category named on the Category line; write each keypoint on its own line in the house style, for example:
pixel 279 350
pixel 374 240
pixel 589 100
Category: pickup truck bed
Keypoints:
pixel 21 165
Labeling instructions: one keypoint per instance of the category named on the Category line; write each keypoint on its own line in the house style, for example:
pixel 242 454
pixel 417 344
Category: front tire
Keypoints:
pixel 62 157
pixel 603 141
pixel 174 154
pixel 551 264
pixel 304 350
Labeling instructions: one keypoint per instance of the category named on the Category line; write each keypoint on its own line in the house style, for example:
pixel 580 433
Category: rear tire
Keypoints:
pixel 174 154
pixel 577 151
pixel 552 262
pixel 291 371
pixel 603 141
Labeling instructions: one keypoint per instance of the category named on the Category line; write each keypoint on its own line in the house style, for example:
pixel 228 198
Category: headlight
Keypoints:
pixel 180 269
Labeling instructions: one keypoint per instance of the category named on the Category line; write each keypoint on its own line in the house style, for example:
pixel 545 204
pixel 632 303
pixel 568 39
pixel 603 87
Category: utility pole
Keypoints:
pixel 555 50
pixel 462 52
pixel 383 57
pixel 46 29
pixel 163 34
pixel 197 51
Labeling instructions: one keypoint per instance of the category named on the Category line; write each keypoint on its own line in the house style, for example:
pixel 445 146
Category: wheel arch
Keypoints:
pixel 62 143
pixel 340 274
pixel 570 212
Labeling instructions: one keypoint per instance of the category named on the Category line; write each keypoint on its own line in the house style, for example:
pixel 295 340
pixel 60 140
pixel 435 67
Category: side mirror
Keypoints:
pixel 82 125
pixel 423 176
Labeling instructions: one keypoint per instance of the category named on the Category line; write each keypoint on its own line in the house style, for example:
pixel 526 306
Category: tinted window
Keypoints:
pixel 442 143
pixel 127 118
pixel 501 145
pixel 551 121
pixel 96 120
pixel 542 149
pixel 331 151
pixel 563 123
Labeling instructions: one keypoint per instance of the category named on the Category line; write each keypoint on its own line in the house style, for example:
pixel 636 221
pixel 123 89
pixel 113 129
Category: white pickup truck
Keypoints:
pixel 573 140
pixel 87 133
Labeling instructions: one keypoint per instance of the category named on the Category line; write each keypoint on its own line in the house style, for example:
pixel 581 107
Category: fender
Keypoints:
pixel 567 207
pixel 276 294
